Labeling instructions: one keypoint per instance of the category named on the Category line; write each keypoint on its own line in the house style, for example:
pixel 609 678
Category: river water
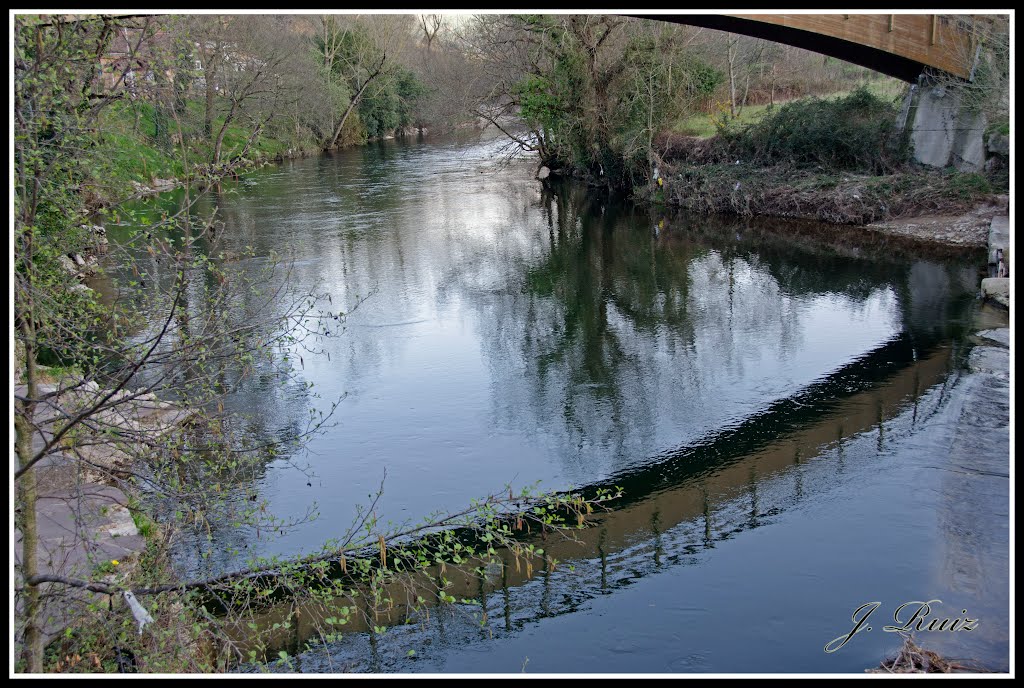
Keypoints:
pixel 777 403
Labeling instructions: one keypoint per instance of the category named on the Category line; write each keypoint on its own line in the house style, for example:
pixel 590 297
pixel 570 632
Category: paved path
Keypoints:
pixel 84 523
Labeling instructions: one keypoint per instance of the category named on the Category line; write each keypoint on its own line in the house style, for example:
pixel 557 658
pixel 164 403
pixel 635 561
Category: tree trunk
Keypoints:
pixel 223 130
pixel 650 114
pixel 208 113
pixel 746 92
pixel 344 118
pixel 355 100
pixel 731 54
pixel 27 494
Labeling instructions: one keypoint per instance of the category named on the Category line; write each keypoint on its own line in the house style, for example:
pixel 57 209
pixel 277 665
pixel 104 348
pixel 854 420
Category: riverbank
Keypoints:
pixel 90 524
pixel 932 206
pixel 140 156
pixel 843 161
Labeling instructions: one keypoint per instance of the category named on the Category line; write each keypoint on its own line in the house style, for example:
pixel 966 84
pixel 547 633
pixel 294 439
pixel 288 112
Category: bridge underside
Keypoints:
pixel 943 131
pixel 901 46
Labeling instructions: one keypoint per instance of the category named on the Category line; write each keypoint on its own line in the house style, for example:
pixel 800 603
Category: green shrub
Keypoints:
pixel 969 185
pixel 855 133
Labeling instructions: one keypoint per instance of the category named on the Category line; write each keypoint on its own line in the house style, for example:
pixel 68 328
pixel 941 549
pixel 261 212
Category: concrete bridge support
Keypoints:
pixel 943 130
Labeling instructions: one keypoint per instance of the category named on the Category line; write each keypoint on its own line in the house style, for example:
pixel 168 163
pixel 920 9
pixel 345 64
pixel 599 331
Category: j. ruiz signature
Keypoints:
pixel 909 616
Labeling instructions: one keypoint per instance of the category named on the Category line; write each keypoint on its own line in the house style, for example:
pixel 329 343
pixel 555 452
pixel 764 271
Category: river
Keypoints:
pixel 778 403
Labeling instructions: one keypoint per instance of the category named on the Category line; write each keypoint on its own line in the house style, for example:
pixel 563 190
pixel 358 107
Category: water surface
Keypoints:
pixel 776 403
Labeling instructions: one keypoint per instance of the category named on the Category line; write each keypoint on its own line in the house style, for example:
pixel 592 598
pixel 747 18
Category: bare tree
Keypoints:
pixel 431 24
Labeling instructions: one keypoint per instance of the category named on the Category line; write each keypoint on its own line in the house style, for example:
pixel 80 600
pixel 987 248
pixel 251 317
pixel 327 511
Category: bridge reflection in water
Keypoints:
pixel 731 375
pixel 683 503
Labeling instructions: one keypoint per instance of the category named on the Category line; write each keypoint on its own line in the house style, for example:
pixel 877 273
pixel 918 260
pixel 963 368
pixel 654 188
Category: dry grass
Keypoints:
pixel 820 194
pixel 914 659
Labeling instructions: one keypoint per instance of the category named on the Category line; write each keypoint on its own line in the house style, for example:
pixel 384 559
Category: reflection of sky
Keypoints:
pixel 427 411
pixel 660 586
pixel 843 326
pixel 439 365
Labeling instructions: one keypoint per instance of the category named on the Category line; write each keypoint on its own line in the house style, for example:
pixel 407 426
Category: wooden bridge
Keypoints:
pixel 930 51
pixel 900 45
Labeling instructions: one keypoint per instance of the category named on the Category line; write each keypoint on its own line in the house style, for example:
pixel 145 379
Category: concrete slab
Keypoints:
pixel 999 240
pixel 80 530
pixel 999 234
pixel 1000 335
pixel 934 127
pixel 83 523
pixel 990 359
pixel 969 141
pixel 997 289
pixel 977 519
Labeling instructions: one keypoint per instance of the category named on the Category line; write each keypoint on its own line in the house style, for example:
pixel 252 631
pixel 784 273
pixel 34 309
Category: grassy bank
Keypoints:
pixel 839 160
pixel 706 125
pixel 134 143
